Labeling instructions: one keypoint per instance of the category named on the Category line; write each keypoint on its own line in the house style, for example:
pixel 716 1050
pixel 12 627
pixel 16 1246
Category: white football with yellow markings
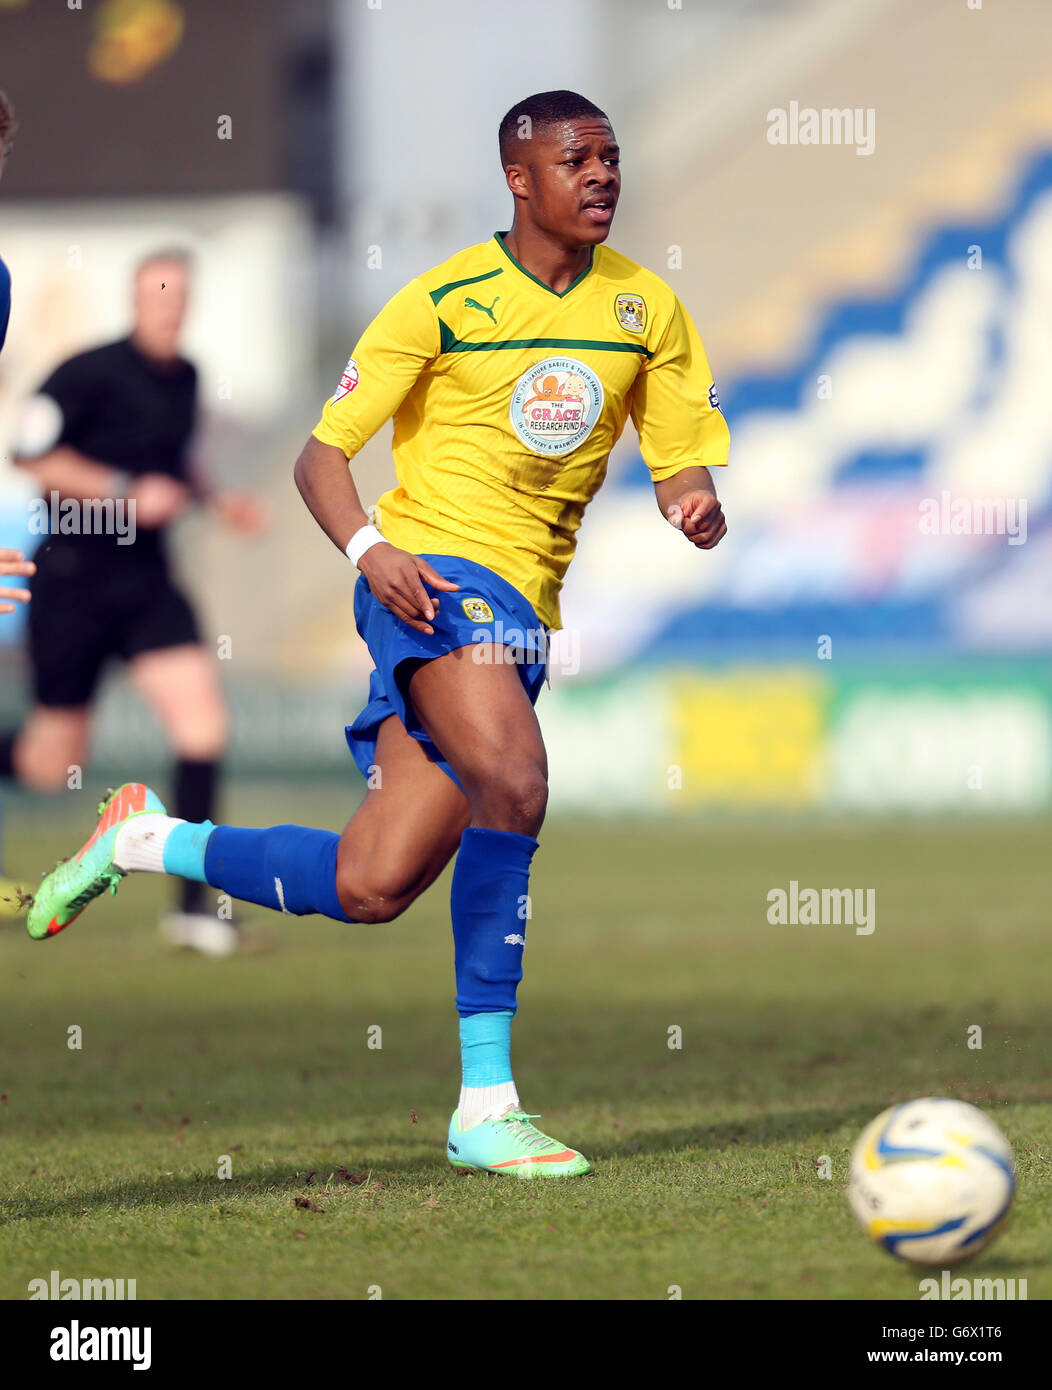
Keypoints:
pixel 932 1180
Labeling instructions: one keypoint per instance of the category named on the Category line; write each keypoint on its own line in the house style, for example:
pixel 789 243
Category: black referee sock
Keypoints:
pixel 7 754
pixel 194 800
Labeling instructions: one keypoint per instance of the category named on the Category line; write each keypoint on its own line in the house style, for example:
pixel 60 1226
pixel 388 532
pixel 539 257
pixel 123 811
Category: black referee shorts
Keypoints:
pixel 76 622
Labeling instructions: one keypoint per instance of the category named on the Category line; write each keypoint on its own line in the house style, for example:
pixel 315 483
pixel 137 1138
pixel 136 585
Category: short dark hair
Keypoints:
pixel 542 109
pixel 8 126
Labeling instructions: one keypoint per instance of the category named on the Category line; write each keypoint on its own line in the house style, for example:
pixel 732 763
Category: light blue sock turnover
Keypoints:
pixel 184 850
pixel 485 1049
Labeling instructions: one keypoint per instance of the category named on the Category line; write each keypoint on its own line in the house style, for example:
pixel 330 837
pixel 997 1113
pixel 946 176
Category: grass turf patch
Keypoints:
pixel 705 1156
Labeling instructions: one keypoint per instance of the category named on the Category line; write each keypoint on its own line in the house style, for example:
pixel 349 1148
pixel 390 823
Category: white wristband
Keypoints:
pixel 361 541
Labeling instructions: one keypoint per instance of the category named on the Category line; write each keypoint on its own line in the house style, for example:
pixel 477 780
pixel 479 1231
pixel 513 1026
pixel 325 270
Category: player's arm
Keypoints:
pixel 386 362
pixel 158 499
pixel 71 473
pixel 43 447
pixel 688 500
pixel 46 424
pixel 238 509
pixel 13 565
pixel 395 576
pixel 682 432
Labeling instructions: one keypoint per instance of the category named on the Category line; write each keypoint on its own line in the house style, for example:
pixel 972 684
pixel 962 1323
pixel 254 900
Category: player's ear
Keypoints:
pixel 517 180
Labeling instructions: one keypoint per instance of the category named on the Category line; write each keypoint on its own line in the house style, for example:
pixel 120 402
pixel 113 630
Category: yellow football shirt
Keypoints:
pixel 507 399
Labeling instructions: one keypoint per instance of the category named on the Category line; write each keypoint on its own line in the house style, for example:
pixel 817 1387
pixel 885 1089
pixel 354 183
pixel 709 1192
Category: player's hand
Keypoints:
pixel 700 517
pixel 12 563
pixel 397 580
pixel 243 511
pixel 158 500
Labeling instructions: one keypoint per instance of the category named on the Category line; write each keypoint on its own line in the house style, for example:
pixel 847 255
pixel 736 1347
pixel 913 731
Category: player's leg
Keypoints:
pixel 41 756
pixel 69 638
pixel 179 679
pixel 68 643
pixel 49 748
pixel 474 706
pixel 404 833
pixel 181 685
pixel 396 844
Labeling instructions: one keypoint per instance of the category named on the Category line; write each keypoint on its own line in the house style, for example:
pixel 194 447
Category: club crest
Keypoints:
pixel 477 609
pixel 631 310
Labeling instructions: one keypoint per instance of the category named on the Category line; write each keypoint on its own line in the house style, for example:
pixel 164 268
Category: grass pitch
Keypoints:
pixel 706 1157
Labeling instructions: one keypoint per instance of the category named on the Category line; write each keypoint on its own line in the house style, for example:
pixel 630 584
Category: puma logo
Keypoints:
pixel 483 308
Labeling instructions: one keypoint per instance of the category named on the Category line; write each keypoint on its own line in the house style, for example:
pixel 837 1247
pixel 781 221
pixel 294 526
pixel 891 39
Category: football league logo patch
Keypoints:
pixel 477 609
pixel 714 397
pixel 555 405
pixel 631 310
pixel 348 381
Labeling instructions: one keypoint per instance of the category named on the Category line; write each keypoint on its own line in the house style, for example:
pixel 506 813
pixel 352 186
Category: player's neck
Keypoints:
pixel 153 352
pixel 547 260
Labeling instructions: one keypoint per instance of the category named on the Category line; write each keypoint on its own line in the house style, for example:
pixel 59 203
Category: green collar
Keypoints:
pixel 499 239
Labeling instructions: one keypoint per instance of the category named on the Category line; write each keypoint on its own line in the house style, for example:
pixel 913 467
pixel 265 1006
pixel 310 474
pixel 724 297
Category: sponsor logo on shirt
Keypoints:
pixel 631 311
pixel 555 405
pixel 714 397
pixel 348 381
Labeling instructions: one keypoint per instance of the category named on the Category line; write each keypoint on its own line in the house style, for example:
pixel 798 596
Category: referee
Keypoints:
pixel 108 440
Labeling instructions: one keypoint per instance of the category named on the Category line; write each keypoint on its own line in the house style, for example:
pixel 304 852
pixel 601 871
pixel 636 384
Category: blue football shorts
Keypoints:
pixel 486 608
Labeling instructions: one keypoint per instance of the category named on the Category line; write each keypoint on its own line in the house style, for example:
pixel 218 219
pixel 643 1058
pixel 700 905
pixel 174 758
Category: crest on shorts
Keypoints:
pixel 348 381
pixel 631 310
pixel 477 609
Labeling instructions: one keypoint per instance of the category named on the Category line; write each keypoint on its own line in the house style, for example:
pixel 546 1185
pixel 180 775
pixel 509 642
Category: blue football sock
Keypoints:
pixel 290 868
pixel 489 909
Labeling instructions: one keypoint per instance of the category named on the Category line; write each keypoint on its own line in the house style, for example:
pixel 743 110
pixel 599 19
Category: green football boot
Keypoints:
pixel 67 890
pixel 514 1146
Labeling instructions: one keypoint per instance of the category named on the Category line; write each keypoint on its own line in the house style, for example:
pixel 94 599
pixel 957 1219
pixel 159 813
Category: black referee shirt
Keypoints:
pixel 133 413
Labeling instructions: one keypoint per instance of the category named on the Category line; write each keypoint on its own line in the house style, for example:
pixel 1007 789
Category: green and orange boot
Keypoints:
pixel 513 1146
pixel 67 890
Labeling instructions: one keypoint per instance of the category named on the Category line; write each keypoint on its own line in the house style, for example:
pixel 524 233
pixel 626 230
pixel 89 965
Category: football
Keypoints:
pixel 932 1180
